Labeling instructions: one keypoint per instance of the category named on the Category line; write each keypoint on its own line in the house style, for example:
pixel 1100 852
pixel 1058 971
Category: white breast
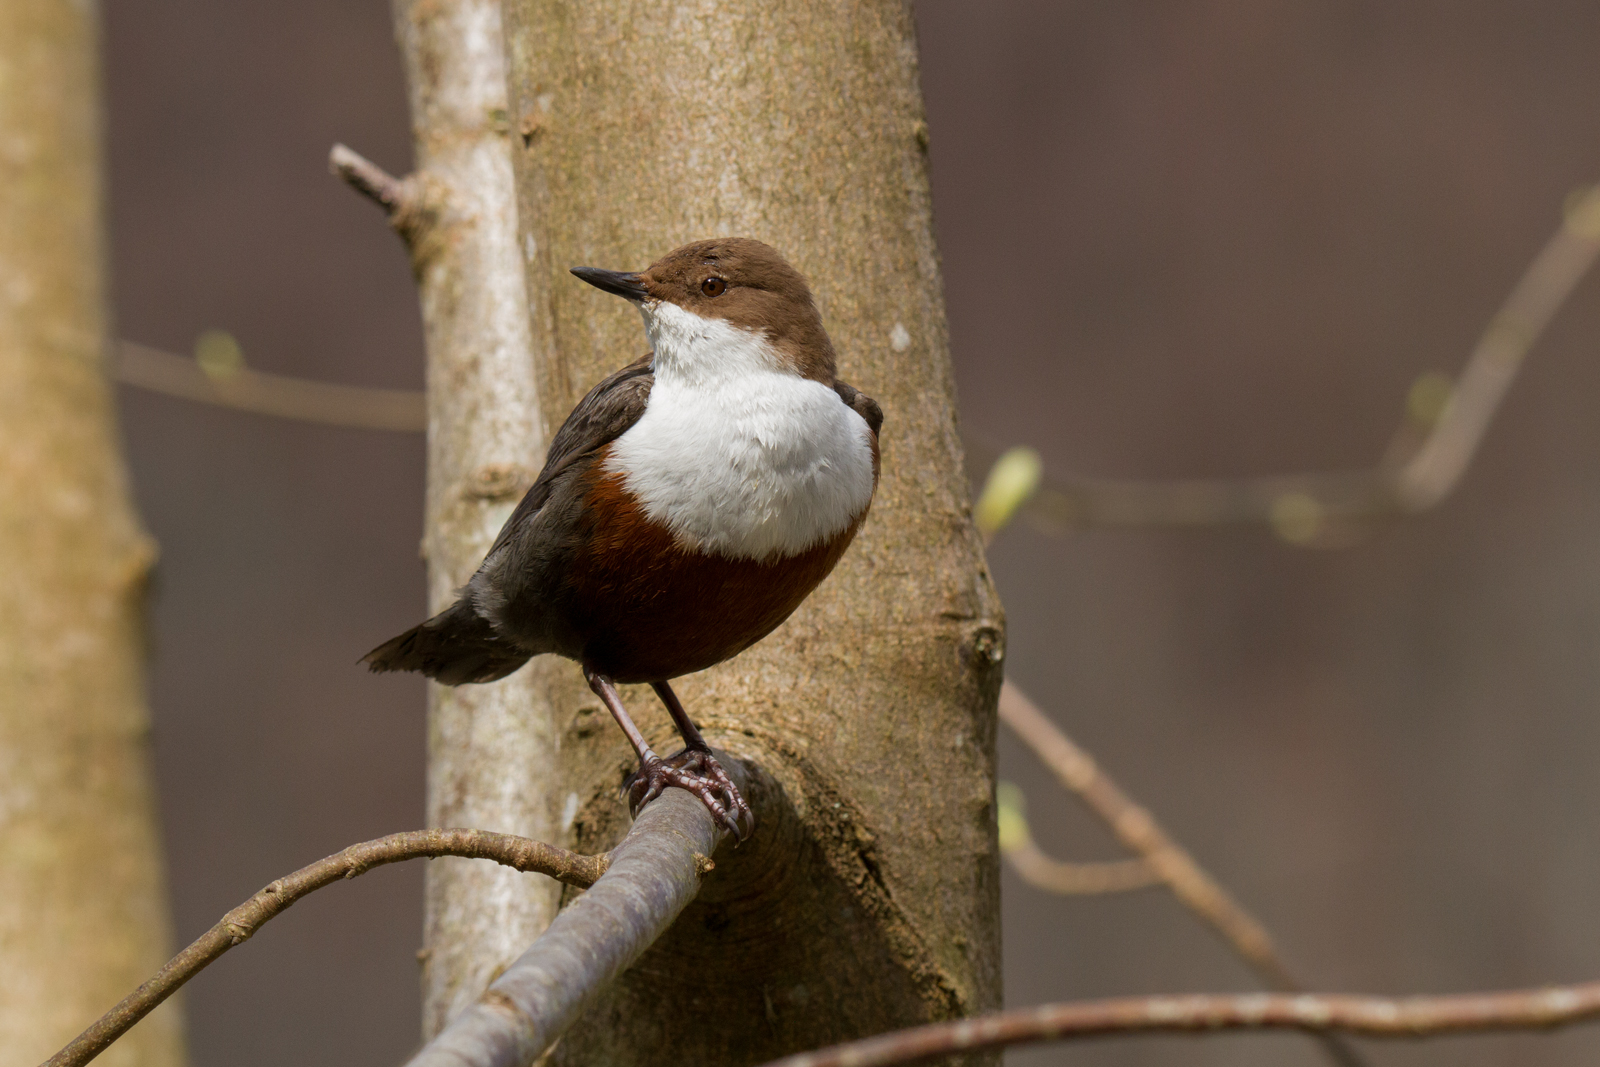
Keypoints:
pixel 736 455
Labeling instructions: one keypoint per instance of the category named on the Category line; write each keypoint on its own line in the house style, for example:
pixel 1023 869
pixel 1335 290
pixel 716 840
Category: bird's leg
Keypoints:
pixel 607 692
pixel 654 773
pixel 697 757
pixel 680 718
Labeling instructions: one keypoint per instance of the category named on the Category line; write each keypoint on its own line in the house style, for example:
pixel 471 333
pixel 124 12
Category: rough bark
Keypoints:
pixel 869 898
pixel 82 908
pixel 489 747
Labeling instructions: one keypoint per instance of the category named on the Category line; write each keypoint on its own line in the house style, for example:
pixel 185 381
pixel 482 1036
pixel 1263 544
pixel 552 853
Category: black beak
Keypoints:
pixel 628 286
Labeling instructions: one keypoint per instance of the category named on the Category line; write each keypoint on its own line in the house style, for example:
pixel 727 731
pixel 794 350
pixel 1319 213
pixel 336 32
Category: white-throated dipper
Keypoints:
pixel 687 506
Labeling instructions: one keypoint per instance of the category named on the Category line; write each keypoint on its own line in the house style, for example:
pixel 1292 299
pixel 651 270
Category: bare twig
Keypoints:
pixel 653 875
pixel 271 394
pixel 1052 875
pixel 1425 462
pixel 368 179
pixel 412 203
pixel 1527 1009
pixel 1081 878
pixel 239 924
pixel 1138 830
pixel 1429 475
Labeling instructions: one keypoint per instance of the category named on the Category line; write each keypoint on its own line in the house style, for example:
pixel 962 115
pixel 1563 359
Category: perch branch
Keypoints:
pixel 271 394
pixel 1138 830
pixel 1426 459
pixel 653 875
pixel 240 923
pixel 1414 1017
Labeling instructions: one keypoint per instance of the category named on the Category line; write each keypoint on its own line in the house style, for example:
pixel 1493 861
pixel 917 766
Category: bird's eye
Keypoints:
pixel 713 286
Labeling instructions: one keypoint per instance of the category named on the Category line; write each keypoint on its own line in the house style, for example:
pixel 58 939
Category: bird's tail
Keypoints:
pixel 454 647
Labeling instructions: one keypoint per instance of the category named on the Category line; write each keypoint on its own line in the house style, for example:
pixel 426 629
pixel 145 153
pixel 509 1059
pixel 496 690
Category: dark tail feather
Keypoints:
pixel 455 647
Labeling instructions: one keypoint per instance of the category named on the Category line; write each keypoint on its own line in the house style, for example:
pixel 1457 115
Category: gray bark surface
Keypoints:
pixel 869 896
pixel 492 749
pixel 653 874
pixel 83 914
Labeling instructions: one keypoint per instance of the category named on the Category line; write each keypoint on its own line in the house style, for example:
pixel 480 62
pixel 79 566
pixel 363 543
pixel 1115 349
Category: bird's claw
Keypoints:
pixel 698 771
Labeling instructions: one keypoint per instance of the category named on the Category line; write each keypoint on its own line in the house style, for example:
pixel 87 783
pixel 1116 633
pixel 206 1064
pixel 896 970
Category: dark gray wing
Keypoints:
pixel 600 418
pixel 469 641
pixel 861 404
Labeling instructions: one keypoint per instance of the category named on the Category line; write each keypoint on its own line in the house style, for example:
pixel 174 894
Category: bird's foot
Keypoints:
pixel 698 771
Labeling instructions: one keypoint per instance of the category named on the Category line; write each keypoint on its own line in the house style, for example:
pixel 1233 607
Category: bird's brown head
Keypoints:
pixel 731 281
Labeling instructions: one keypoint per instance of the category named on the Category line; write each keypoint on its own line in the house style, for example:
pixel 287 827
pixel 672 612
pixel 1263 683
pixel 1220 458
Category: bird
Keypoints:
pixel 687 506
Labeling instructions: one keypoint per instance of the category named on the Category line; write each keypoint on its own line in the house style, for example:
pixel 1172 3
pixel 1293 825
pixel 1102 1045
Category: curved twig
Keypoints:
pixel 654 873
pixel 1425 462
pixel 1429 475
pixel 1079 879
pixel 1137 829
pixel 239 924
pixel 1525 1009
pixel 1042 871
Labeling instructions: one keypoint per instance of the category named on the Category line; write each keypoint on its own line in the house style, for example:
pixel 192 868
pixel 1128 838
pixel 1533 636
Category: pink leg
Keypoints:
pixel 688 770
pixel 697 756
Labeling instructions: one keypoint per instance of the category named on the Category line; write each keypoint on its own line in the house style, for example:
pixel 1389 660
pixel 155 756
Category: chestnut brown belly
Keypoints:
pixel 645 610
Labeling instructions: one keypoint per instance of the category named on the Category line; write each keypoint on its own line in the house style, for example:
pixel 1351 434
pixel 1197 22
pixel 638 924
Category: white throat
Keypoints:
pixel 735 453
pixel 695 349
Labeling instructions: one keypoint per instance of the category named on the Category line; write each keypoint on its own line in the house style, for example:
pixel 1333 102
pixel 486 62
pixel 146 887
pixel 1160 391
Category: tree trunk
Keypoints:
pixel 83 914
pixel 492 749
pixel 869 897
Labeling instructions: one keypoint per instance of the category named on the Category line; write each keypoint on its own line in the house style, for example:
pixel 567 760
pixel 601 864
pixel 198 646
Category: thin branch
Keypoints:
pixel 1138 830
pixel 1415 1017
pixel 1079 879
pixel 239 924
pixel 271 394
pixel 1429 475
pixel 1041 871
pixel 653 875
pixel 368 179
pixel 1426 459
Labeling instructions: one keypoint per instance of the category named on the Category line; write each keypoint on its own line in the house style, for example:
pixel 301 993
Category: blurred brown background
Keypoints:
pixel 1179 239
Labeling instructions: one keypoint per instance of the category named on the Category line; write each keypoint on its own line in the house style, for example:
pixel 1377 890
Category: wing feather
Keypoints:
pixel 862 404
pixel 602 416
